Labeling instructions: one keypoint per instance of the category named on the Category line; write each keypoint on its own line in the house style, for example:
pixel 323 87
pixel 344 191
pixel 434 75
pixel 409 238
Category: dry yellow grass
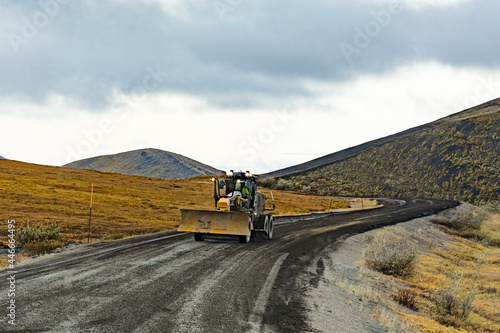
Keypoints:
pixel 439 266
pixel 122 205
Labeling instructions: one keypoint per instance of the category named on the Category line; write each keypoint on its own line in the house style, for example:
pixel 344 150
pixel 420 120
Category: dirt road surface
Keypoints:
pixel 167 282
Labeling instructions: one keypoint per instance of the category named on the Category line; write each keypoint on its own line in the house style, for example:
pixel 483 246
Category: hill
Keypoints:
pixel 122 205
pixel 147 163
pixel 456 157
pixel 2 158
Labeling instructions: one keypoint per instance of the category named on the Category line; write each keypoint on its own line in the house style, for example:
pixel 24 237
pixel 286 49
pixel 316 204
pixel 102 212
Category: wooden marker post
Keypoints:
pixel 361 197
pixel 333 195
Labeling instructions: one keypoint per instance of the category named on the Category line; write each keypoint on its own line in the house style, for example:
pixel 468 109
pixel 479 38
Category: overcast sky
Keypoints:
pixel 241 84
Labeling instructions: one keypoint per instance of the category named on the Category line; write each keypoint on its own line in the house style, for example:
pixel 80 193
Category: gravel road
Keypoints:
pixel 167 282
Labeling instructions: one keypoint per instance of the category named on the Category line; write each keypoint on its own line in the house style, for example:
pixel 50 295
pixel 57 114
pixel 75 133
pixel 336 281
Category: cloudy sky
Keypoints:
pixel 235 83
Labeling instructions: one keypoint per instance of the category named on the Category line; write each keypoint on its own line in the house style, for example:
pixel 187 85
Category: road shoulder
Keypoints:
pixel 347 296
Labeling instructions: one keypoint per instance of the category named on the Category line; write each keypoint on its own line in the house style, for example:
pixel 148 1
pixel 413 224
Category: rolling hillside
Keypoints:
pixel 122 205
pixel 147 163
pixel 456 157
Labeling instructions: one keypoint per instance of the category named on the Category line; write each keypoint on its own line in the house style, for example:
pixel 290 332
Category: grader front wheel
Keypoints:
pixel 199 237
pixel 246 239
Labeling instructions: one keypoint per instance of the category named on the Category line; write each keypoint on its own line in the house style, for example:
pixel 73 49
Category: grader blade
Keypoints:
pixel 215 222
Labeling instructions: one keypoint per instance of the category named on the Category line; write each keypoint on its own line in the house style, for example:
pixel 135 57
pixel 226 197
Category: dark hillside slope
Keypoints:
pixel 456 157
pixel 338 156
pixel 152 163
pixel 317 163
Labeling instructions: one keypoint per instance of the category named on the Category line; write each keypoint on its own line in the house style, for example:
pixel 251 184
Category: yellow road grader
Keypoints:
pixel 240 210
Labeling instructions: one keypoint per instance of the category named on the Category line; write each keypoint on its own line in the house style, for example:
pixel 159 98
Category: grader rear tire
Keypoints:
pixel 270 227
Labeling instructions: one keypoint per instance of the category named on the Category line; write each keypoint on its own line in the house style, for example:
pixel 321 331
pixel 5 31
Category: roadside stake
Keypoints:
pixel 333 195
pixel 361 197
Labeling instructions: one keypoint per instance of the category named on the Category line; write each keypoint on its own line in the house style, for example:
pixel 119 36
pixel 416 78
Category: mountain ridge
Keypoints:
pixel 150 162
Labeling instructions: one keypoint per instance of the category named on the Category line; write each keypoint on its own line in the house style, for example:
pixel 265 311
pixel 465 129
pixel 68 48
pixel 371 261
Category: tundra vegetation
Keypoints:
pixel 41 238
pixel 391 254
pixel 51 205
pixel 453 158
pixel 444 287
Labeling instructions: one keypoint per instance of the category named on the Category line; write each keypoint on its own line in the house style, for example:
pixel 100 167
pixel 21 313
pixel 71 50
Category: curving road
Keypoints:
pixel 167 282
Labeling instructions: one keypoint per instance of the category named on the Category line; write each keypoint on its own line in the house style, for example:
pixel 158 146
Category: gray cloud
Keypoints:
pixel 261 50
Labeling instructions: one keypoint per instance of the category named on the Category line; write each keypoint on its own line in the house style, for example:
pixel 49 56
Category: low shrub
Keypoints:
pixel 284 184
pixel 467 222
pixel 454 303
pixel 406 298
pixel 305 189
pixel 267 182
pixel 451 307
pixel 467 217
pixel 391 254
pixel 38 234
